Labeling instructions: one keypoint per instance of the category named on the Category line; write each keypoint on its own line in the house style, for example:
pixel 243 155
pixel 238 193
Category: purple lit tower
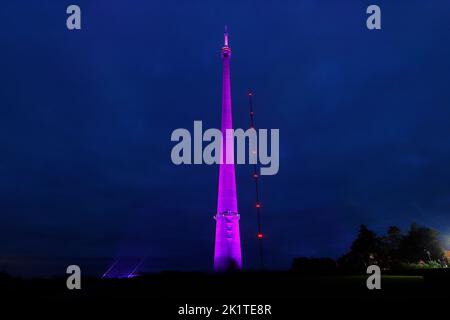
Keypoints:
pixel 227 250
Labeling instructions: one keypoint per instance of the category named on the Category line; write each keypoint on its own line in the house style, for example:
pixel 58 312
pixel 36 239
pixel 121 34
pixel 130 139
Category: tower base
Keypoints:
pixel 227 251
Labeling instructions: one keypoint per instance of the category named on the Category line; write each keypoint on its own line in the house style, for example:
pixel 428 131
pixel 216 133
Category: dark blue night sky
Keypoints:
pixel 86 118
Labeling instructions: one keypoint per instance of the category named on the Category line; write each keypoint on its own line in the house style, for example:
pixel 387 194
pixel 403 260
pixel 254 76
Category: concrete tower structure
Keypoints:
pixel 227 250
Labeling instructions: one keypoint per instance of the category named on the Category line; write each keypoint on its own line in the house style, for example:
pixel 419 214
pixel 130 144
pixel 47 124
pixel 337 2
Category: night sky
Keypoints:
pixel 86 117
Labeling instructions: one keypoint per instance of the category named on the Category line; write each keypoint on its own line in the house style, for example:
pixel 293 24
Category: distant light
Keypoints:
pixel 260 235
pixel 255 176
pixel 258 205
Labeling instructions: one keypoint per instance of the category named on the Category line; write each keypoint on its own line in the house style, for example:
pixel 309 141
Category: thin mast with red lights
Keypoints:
pixel 256 178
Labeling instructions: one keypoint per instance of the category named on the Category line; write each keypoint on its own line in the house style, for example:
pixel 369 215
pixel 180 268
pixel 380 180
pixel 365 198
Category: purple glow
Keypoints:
pixel 227 251
pixel 124 267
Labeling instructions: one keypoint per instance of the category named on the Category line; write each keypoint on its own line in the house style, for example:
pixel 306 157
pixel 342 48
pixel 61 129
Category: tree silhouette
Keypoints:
pixel 421 244
pixel 365 250
pixel 394 250
pixel 391 245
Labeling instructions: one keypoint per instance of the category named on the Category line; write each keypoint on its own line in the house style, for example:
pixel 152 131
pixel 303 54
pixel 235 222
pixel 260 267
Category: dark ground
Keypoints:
pixel 288 293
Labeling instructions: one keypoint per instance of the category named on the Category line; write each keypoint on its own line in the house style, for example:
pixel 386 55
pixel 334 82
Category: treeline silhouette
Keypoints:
pixel 419 248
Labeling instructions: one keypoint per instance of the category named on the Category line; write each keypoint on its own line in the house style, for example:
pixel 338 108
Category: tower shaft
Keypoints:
pixel 227 250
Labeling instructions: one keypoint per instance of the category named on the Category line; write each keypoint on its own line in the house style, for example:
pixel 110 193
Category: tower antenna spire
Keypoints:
pixel 225 35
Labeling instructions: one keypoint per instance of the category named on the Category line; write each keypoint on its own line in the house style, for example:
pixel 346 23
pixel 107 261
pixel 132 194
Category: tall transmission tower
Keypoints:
pixel 227 245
